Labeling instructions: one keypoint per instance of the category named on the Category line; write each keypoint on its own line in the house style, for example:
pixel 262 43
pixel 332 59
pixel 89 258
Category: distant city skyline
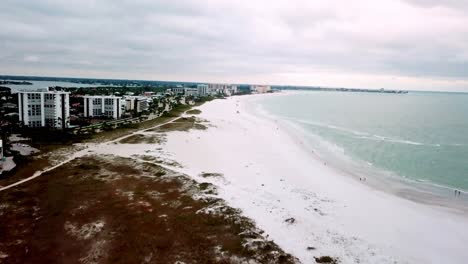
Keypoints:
pixel 391 44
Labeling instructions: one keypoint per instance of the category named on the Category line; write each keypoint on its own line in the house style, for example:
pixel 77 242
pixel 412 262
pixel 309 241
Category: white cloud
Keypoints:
pixel 31 58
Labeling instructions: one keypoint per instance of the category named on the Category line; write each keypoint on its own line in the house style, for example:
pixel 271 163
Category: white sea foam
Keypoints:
pixel 394 140
pixel 319 124
pixel 362 135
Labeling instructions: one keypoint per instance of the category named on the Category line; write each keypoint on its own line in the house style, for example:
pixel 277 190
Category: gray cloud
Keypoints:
pixel 242 41
pixel 441 3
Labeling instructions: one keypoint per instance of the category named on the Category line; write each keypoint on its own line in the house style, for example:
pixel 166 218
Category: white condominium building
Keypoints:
pixel 219 88
pixel 188 91
pixel 44 108
pixel 102 105
pixel 136 103
pixel 191 91
pixel 260 88
pixel 203 89
pixel 178 90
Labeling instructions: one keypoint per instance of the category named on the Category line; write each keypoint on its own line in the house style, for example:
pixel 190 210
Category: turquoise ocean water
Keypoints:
pixel 419 136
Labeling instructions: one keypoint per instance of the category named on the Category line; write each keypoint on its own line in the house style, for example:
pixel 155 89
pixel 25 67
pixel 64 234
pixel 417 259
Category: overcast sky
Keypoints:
pixel 407 44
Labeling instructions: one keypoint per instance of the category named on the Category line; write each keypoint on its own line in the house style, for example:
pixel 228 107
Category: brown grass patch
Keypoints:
pixel 194 112
pixel 153 159
pixel 144 139
pixel 181 124
pixel 211 175
pixel 120 132
pixel 118 210
pixel 326 259
pixel 25 168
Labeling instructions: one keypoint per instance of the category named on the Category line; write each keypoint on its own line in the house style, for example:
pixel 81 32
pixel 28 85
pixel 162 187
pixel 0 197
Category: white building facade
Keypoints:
pixel 102 105
pixel 178 90
pixel 223 89
pixel 260 88
pixel 44 108
pixel 191 91
pixel 233 89
pixel 136 103
pixel 203 89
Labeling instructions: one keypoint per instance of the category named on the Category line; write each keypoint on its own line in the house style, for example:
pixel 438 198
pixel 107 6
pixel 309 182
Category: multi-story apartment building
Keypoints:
pixel 223 89
pixel 260 88
pixel 233 89
pixel 191 91
pixel 102 105
pixel 44 108
pixel 178 90
pixel 136 103
pixel 203 89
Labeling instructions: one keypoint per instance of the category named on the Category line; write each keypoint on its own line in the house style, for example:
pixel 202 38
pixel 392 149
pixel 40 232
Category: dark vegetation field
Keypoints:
pixel 116 210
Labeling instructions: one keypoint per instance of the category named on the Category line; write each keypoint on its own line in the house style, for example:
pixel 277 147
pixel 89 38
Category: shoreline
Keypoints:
pixel 418 191
pixel 271 179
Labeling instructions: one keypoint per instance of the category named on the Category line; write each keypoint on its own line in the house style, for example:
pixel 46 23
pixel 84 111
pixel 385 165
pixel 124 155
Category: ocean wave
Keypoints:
pixel 356 166
pixel 319 124
pixel 394 140
pixel 364 135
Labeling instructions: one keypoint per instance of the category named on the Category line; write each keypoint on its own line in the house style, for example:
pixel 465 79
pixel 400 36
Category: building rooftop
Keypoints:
pixel 102 96
pixel 43 90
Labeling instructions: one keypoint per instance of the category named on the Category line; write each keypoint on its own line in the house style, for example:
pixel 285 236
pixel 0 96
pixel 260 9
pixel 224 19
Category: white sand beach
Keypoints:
pixel 270 175
pixel 308 208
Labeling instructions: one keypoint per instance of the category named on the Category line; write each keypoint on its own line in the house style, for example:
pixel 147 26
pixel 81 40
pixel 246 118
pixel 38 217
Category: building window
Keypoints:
pixel 51 122
pixel 34 96
pixel 97 112
pixel 34 110
pixel 35 123
pixel 108 101
pixel 49 96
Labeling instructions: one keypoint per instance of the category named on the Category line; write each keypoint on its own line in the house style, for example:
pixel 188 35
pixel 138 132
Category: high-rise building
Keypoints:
pixel 178 90
pixel 222 89
pixel 260 88
pixel 191 91
pixel 136 103
pixel 203 89
pixel 44 108
pixel 102 105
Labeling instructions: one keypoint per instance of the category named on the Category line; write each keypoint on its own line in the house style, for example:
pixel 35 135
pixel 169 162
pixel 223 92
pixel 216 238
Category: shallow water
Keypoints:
pixel 422 137
pixel 44 84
